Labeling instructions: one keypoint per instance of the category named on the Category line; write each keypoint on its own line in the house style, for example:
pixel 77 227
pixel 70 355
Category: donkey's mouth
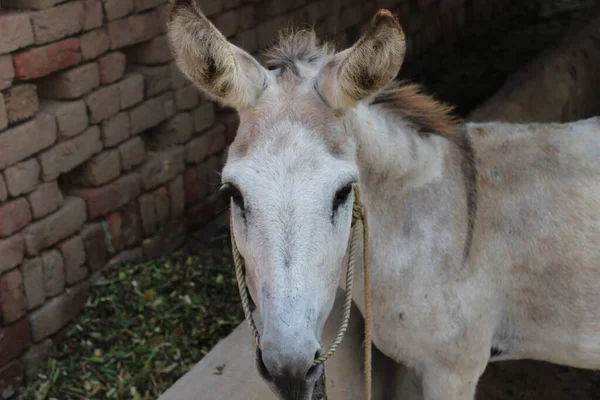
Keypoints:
pixel 291 388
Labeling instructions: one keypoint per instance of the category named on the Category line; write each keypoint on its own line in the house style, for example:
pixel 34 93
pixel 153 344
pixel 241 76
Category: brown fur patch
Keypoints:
pixel 428 115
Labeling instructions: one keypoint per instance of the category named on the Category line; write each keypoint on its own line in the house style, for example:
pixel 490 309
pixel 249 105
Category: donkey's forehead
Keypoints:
pixel 290 112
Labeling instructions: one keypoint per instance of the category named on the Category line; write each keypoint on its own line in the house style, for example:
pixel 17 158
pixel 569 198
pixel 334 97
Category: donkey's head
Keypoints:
pixel 289 171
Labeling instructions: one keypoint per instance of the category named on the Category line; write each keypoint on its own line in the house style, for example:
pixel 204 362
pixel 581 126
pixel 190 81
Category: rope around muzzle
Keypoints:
pixel 359 217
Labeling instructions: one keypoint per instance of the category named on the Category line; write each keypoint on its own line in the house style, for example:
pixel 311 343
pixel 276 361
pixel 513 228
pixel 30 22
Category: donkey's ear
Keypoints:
pixel 365 68
pixel 222 70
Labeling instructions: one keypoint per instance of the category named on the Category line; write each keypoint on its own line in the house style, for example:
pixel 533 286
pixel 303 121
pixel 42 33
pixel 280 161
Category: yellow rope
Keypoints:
pixel 358 216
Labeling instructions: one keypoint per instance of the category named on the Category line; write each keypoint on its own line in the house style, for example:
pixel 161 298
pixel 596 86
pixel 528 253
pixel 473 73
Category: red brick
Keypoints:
pixel 56 227
pixel 211 142
pixel 148 213
pixel 59 311
pixel 131 225
pixel 11 377
pixel 147 115
pixel 14 216
pixel 131 89
pixel 155 51
pixel 24 140
pixel 73 253
pixel 54 273
pixel 30 4
pixel 228 23
pixel 3 190
pixel 247 40
pixel 177 196
pixel 23 177
pixel 15 31
pixel 103 200
pixel 67 155
pixel 161 167
pixel 33 280
pixel 102 103
pixel 13 301
pixel 112 67
pixel 163 17
pixel 210 7
pixel 14 340
pixel 132 153
pixel 41 61
pixel 168 101
pixel 201 214
pixel 97 243
pixel 12 251
pixel 127 256
pixel 204 117
pixel 100 169
pixel 71 116
pixel 115 226
pixel 177 130
pixel 115 9
pixel 116 129
pixel 45 199
pixel 134 29
pixel 71 84
pixel 141 5
pixel 169 239
pixel 178 79
pixel 191 185
pixel 186 98
pixel 55 23
pixel 35 356
pixel 7 71
pixel 157 79
pixel 21 102
pixel 161 204
pixel 3 115
pixel 93 14
pixel 94 43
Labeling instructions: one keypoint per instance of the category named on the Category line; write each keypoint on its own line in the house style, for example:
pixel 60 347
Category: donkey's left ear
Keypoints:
pixel 222 70
pixel 362 70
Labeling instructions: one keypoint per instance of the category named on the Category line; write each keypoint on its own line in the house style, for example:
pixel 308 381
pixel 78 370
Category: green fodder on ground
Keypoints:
pixel 144 326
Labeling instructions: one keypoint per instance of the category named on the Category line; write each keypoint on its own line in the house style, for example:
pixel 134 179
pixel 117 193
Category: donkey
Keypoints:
pixel 484 237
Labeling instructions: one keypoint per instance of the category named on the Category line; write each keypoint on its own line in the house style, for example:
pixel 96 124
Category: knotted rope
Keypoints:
pixel 359 216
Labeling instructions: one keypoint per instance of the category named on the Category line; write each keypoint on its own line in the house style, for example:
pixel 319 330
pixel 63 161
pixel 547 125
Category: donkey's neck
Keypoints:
pixel 393 155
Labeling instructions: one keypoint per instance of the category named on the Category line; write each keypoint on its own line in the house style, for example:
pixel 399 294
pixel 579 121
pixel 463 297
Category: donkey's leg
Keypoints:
pixel 408 384
pixel 445 383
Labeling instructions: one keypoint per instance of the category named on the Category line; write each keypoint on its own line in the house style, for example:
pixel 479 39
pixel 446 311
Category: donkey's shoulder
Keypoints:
pixel 566 145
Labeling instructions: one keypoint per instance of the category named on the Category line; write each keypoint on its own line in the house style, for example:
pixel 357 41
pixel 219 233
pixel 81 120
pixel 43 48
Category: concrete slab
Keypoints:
pixel 227 372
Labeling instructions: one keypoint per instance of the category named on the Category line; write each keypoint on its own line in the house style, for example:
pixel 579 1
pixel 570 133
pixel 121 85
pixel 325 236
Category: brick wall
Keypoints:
pixel 108 154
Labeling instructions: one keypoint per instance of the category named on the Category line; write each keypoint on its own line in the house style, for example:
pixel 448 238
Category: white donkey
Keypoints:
pixel 485 238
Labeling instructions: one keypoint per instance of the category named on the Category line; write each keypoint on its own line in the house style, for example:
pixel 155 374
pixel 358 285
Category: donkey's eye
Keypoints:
pixel 235 194
pixel 341 196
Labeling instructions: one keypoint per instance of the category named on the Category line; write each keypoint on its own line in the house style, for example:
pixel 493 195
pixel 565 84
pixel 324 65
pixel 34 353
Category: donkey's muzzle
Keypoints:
pixel 290 378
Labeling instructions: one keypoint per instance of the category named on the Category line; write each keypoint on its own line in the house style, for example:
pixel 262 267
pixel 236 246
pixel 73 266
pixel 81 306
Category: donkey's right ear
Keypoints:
pixel 220 69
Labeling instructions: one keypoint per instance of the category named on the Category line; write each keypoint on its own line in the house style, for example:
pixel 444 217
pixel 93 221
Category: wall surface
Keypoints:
pixel 108 154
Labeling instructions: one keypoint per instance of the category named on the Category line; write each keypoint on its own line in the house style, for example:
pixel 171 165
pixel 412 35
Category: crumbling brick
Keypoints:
pixel 12 251
pixel 14 216
pixel 13 301
pixel 132 153
pixel 71 84
pixel 155 51
pixel 116 129
pixel 162 167
pixel 71 116
pixel 33 279
pixel 67 155
pixel 73 253
pixel 16 31
pixel 54 272
pixel 55 23
pixel 116 9
pixel 23 177
pixel 209 143
pixel 94 43
pixel 131 30
pixel 21 102
pixel 26 139
pixel 7 71
pixel 102 103
pixel 112 67
pixel 45 199
pixel 131 89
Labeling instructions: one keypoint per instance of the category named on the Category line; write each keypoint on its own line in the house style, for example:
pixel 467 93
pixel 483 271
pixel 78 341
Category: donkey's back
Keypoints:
pixel 538 236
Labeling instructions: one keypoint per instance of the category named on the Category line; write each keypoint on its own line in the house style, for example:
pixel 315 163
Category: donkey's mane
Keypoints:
pixel 425 113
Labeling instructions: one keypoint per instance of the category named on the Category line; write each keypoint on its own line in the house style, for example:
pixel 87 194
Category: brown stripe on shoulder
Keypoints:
pixel 428 115
pixel 469 171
